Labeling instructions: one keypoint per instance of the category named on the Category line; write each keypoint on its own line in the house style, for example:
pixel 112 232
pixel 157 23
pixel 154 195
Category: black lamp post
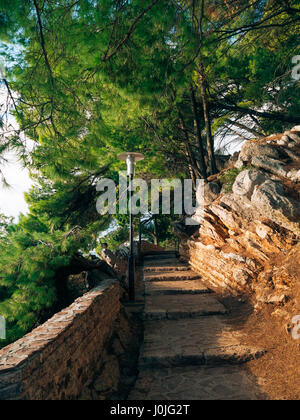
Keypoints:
pixel 131 158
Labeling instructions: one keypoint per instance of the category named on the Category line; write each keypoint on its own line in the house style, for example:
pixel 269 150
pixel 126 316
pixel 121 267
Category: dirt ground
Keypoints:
pixel 278 371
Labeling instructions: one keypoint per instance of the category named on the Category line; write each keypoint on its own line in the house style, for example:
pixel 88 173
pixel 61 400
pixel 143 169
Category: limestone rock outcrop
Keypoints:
pixel 248 241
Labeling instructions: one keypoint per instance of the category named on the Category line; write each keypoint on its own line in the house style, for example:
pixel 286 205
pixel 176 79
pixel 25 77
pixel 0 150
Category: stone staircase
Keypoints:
pixel 189 352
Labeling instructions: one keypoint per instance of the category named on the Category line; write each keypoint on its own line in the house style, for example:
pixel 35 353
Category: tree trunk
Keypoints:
pixel 209 136
pixel 199 138
pixel 194 168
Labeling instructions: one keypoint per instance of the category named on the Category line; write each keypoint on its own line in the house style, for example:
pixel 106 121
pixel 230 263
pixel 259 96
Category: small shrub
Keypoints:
pixel 228 178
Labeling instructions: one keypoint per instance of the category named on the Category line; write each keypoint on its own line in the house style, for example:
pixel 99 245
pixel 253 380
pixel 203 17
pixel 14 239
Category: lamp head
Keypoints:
pixel 131 158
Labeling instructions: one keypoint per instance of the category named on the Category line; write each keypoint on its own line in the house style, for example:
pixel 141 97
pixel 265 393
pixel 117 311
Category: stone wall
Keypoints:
pixel 59 359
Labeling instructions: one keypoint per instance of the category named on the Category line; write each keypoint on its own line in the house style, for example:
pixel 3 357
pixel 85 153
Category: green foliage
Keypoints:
pixel 162 233
pixel 6 225
pixel 29 260
pixel 228 178
pixel 115 239
pixel 98 77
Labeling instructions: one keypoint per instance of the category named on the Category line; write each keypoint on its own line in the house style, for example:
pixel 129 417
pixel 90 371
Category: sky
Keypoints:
pixel 12 201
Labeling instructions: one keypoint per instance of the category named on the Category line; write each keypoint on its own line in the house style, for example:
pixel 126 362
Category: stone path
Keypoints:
pixel 189 352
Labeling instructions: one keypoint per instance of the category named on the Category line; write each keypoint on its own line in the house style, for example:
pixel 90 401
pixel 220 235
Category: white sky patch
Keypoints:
pixel 230 144
pixel 112 228
pixel 12 201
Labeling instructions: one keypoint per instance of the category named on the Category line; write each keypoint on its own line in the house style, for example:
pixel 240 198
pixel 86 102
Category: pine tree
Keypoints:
pixel 90 79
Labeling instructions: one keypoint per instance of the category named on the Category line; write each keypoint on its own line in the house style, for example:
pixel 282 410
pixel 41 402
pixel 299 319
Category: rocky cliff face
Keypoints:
pixel 249 239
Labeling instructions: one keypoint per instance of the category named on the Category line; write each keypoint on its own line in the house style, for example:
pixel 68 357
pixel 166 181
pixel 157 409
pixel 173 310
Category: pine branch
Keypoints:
pixel 43 43
pixel 252 112
pixel 46 58
pixel 132 28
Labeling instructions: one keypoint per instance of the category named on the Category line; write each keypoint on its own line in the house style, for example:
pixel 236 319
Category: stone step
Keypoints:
pixel 182 306
pixel 164 263
pixel 202 341
pixel 166 268
pixel 199 383
pixel 162 256
pixel 171 276
pixel 175 287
